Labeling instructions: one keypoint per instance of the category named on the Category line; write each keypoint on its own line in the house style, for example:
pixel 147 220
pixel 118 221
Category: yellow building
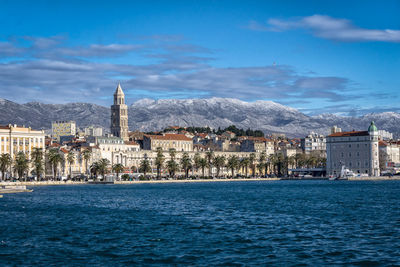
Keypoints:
pixel 14 139
pixel 168 141
pixel 62 128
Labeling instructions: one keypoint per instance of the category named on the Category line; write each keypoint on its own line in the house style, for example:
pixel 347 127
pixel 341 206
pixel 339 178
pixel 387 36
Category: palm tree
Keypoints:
pixel 102 166
pixel 172 153
pixel 21 164
pixel 134 168
pixel 70 160
pixel 196 160
pixel 233 163
pixel 118 168
pixel 291 161
pixel 37 158
pixel 54 158
pixel 203 164
pixel 145 167
pixel 209 157
pixel 219 162
pixel 252 160
pixel 94 169
pixel 87 154
pixel 279 162
pixel 159 161
pixel 186 163
pixel 262 164
pixel 172 167
pixel 5 163
pixel 244 163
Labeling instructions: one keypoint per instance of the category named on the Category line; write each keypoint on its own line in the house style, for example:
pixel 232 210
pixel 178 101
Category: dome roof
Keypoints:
pixel 372 127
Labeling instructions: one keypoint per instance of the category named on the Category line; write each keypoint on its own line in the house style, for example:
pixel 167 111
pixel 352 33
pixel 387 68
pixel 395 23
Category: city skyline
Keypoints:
pixel 316 57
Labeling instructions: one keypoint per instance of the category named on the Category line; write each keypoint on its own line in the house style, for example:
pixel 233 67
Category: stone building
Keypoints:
pixel 63 128
pixel 179 142
pixel 358 151
pixel 93 131
pixel 14 139
pixel 119 115
pixel 314 143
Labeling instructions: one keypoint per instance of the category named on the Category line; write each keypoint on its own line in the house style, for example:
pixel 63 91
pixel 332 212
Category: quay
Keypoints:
pixel 17 187
pixel 8 189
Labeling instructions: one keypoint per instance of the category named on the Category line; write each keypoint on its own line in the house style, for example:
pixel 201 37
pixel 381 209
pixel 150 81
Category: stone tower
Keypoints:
pixel 374 149
pixel 119 115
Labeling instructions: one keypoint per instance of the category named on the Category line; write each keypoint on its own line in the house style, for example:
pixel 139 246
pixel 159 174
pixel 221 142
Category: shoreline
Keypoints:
pixel 54 183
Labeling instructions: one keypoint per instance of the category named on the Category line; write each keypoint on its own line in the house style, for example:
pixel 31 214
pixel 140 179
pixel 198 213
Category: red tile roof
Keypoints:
pixel 382 143
pixel 179 137
pixel 132 143
pixel 352 133
pixel 202 135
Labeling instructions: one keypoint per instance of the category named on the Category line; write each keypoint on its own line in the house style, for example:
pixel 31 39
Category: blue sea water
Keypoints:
pixel 224 223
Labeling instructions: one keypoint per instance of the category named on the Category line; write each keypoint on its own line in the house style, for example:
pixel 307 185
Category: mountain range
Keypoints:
pixel 150 115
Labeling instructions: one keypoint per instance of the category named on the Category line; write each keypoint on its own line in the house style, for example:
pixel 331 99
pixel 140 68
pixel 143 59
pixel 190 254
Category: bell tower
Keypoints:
pixel 119 115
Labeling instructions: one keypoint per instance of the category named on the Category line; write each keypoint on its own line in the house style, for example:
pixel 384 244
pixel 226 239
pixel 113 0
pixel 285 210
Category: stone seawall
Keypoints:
pixel 41 183
pixel 376 178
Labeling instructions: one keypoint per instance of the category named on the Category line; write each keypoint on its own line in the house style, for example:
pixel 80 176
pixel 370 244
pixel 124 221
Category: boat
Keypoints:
pixel 344 174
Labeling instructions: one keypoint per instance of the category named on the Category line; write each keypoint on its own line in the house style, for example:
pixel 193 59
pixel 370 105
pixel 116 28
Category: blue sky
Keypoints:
pixel 318 56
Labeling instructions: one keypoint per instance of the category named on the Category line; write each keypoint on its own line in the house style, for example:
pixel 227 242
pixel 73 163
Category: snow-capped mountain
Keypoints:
pixel 148 115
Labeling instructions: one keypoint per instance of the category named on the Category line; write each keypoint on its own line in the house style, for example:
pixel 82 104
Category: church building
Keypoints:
pixel 119 115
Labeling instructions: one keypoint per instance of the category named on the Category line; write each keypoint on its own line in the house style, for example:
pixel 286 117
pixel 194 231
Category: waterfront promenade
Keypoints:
pixel 53 183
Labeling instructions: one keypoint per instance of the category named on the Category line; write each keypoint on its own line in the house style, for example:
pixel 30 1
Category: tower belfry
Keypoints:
pixel 119 115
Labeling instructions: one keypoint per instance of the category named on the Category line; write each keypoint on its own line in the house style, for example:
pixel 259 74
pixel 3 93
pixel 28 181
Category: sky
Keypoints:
pixel 339 57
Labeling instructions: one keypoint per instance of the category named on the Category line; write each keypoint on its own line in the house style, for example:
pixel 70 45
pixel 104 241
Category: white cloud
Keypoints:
pixel 63 73
pixel 329 28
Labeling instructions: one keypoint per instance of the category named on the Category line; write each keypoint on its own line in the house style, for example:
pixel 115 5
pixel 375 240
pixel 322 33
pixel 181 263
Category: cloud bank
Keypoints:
pixel 328 28
pixel 52 70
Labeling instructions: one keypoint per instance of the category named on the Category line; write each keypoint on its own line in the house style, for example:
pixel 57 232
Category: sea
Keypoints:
pixel 249 223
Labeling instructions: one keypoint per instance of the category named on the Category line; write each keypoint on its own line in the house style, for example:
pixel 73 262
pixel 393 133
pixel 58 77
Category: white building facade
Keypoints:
pixel 358 151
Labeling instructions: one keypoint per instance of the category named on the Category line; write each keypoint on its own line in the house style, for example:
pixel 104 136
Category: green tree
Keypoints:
pixel 186 163
pixel 252 164
pixel 196 160
pixel 219 162
pixel 94 169
pixel 244 163
pixel 203 164
pixel 70 160
pixel 5 164
pixel 291 161
pixel 172 167
pixel 159 161
pixel 86 154
pixel 262 164
pixel 134 168
pixel 37 159
pixel 232 164
pixel 102 167
pixel 118 168
pixel 209 157
pixel 172 153
pixel 145 167
pixel 54 158
pixel 21 164
pixel 125 177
